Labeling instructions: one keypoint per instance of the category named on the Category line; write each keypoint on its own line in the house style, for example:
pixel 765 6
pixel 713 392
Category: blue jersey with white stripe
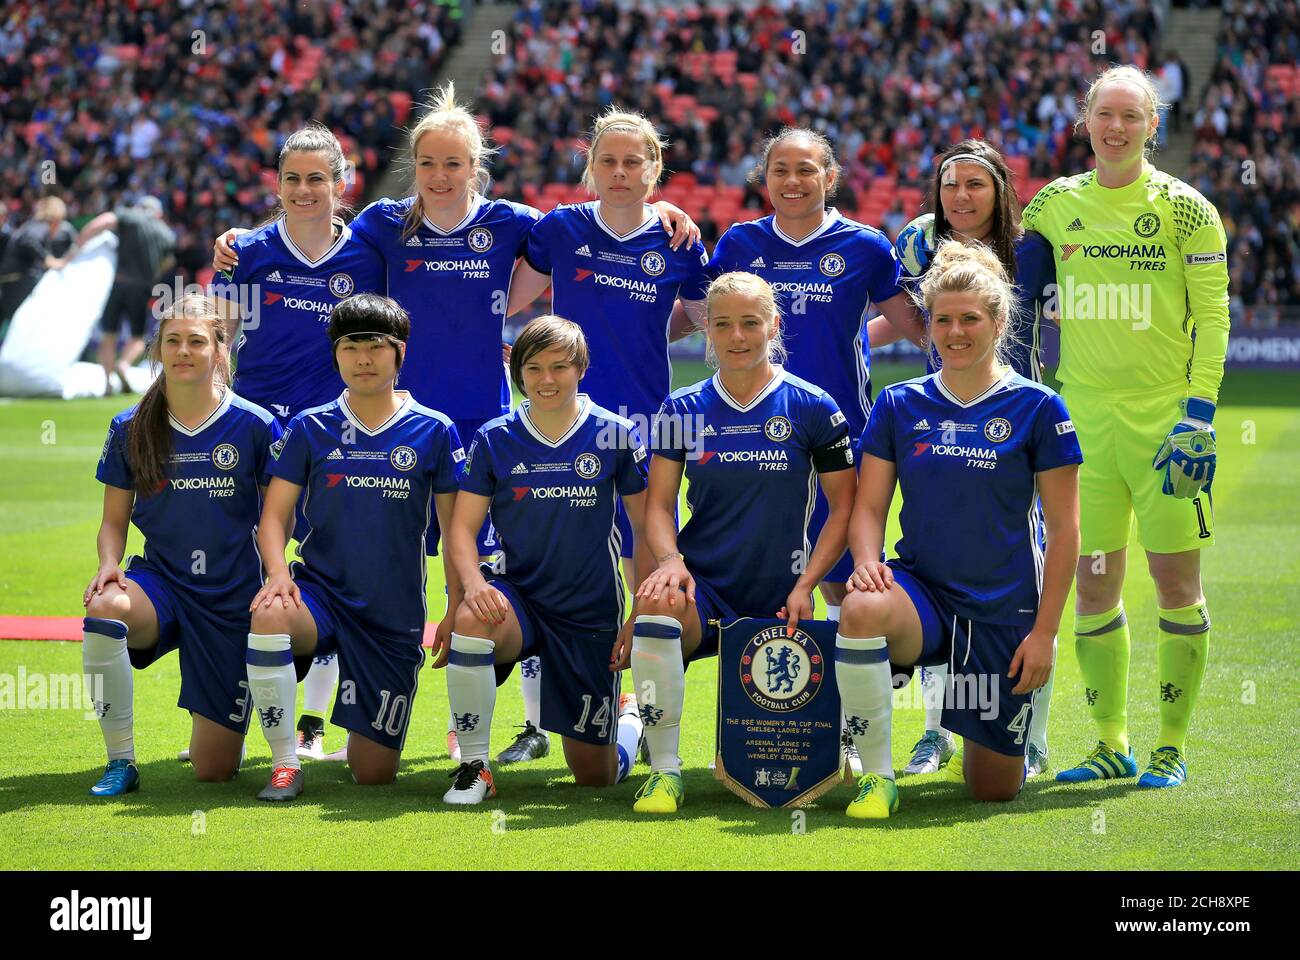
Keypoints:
pixel 1034 287
pixel 621 291
pixel 369 496
pixel 454 284
pixel 825 285
pixel 970 499
pixel 200 526
pixel 553 507
pixel 284 358
pixel 752 474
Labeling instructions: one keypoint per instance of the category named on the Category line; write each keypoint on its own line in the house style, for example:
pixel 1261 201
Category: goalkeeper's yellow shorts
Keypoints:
pixel 1120 433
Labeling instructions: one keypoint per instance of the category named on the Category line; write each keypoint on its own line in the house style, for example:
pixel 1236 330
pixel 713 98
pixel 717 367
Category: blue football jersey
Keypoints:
pixel 553 507
pixel 369 496
pixel 825 285
pixel 284 356
pixel 752 481
pixel 454 284
pixel 970 499
pixel 621 291
pixel 1034 286
pixel 199 527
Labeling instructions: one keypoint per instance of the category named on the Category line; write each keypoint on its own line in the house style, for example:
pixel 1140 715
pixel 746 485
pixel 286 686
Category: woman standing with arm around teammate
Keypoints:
pixel 974 201
pixel 827 272
pixel 289 275
pixel 1142 266
pixel 187 466
pixel 449 253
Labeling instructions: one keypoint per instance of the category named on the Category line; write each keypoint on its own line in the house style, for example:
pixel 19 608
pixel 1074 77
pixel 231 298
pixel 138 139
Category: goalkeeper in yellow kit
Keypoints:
pixel 1142 278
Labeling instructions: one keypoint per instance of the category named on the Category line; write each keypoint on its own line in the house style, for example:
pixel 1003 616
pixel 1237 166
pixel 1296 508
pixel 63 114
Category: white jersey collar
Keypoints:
pixel 996 387
pixel 651 218
pixel 778 377
pixel 222 406
pixel 474 208
pixel 356 421
pixel 344 235
pixel 584 410
pixel 829 220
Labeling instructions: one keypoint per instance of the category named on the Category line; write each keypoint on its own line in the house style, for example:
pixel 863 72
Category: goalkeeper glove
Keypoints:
pixel 1188 454
pixel 915 245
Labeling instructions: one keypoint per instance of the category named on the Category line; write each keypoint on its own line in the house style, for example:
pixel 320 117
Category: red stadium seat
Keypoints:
pixel 400 101
pixel 1019 165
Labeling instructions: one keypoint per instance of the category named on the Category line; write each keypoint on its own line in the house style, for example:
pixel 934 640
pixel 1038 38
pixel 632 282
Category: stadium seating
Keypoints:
pixel 1245 157
pixel 124 108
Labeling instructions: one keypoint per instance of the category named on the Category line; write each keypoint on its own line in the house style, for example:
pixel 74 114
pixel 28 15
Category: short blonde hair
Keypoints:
pixel 615 120
pixel 751 285
pixel 971 268
pixel 1126 73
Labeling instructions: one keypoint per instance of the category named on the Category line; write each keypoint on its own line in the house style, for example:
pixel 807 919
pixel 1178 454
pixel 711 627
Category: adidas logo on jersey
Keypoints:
pixel 413 241
pixel 758 262
pixel 583 251
pixel 519 468
pixel 336 455
pixel 1077 224
pixel 922 425
pixel 274 277
pixel 709 431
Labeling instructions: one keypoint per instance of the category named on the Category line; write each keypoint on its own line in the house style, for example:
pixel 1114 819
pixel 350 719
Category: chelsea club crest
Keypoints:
pixel 587 465
pixel 652 263
pixel 781 673
pixel 341 285
pixel 225 456
pixel 997 429
pixel 778 429
pixel 402 458
pixel 480 239
pixel 832 265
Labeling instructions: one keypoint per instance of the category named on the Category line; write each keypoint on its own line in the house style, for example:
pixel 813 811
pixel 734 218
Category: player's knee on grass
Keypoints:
pixel 372 764
pixel 992 777
pixel 213 769
pixel 214 750
pixel 592 765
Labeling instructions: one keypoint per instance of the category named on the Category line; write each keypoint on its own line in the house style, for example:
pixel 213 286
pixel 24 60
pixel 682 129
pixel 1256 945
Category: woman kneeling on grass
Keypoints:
pixel 374 464
pixel 971 447
pixel 188 466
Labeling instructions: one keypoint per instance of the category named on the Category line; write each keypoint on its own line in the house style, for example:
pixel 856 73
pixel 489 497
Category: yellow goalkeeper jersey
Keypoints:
pixel 1142 282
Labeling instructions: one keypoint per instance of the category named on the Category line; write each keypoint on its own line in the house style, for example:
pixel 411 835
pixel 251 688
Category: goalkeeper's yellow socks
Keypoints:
pixel 1183 645
pixel 1101 642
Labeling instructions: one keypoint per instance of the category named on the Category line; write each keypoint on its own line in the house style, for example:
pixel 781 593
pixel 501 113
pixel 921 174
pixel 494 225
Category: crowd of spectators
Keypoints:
pixel 190 100
pixel 891 82
pixel 1245 158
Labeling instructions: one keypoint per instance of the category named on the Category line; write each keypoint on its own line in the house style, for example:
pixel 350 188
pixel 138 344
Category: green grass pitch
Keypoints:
pixel 1238 809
